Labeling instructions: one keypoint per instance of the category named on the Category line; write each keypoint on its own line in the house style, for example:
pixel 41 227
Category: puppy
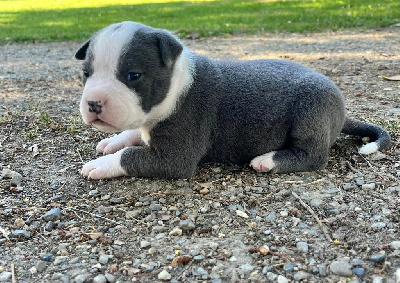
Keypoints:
pixel 177 110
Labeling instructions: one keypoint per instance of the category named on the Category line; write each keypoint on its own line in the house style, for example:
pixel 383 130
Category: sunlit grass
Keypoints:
pixel 26 20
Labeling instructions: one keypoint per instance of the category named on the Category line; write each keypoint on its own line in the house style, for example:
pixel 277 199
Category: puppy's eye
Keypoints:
pixel 133 76
pixel 86 73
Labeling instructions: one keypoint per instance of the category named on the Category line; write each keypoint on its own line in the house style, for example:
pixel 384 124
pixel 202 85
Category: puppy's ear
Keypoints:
pixel 169 46
pixel 81 53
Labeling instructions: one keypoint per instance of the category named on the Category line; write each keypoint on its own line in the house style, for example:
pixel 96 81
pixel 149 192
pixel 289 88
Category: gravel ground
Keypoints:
pixel 227 223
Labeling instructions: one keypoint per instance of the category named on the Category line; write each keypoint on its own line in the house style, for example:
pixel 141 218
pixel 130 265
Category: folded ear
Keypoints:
pixel 81 53
pixel 170 47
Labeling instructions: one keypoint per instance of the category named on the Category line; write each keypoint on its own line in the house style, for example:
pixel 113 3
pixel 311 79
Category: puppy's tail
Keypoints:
pixel 380 137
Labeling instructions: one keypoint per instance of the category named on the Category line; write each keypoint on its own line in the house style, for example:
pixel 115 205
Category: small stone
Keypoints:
pixel 152 251
pixel 144 244
pixel 47 257
pixel 288 267
pixel 81 278
pixel 110 278
pixel 232 259
pixel 41 265
pixel 187 225
pixel 241 214
pixel 49 226
pixel 5 275
pixel 198 258
pixel 378 257
pixel 247 268
pixel 176 232
pixel 213 245
pixel 395 245
pixel 33 270
pixel 359 271
pixel 369 186
pixel 356 262
pixel 204 191
pixel 301 275
pixel 60 259
pixel 378 225
pixel 302 247
pixel 316 202
pixel 132 214
pixel 20 233
pixel 282 279
pixel 53 214
pixel 164 275
pixel 103 259
pixel 100 279
pixel 322 270
pixel 19 222
pixel 359 182
pixel 155 207
pixel 284 213
pixel 341 268
pixel 266 269
pixel 271 276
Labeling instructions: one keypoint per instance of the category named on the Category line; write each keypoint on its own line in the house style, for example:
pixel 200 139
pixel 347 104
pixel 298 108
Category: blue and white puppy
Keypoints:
pixel 177 110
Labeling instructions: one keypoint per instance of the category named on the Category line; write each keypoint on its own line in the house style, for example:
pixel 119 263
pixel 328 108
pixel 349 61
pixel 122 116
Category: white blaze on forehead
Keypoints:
pixel 109 43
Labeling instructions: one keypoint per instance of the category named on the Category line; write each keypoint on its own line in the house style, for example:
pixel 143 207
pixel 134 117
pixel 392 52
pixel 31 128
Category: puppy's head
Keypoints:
pixel 129 72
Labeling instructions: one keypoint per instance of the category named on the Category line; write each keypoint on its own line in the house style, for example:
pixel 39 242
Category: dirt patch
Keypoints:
pixel 58 226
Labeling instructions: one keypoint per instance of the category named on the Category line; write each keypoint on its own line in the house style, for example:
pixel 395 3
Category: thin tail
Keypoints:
pixel 380 137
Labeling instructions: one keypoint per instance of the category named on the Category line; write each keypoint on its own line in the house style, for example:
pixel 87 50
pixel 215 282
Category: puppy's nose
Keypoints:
pixel 95 106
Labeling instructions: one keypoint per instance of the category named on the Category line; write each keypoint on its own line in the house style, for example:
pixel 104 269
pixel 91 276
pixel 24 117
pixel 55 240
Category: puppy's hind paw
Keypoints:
pixel 263 163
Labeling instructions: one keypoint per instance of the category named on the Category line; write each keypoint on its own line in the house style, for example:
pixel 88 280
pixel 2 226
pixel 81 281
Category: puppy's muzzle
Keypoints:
pixel 95 106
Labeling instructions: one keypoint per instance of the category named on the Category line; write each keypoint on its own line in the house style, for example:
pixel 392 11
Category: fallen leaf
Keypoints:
pixel 181 260
pixel 392 78
pixel 242 214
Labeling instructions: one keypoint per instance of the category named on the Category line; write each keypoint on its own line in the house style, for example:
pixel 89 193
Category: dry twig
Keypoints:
pixel 309 209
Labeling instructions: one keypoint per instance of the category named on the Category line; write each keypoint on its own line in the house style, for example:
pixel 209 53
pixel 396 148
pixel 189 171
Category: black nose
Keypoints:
pixel 95 106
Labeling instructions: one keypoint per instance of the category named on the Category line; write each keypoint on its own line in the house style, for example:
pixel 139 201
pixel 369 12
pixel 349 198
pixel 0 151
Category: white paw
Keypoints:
pixel 120 141
pixel 105 167
pixel 264 162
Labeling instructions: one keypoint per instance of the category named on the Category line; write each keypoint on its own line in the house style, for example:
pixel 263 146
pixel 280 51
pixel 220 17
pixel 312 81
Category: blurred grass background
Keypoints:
pixel 60 20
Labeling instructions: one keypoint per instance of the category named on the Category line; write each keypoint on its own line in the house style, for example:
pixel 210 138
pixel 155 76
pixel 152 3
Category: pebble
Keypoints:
pixel 5 276
pixel 187 225
pixel 301 275
pixel 53 214
pixel 341 268
pixel 155 207
pixel 81 278
pixel 247 268
pixel 100 279
pixel 59 260
pixel 282 279
pixel 41 265
pixel 144 244
pixel 359 271
pixel 198 258
pixel 266 269
pixel 395 245
pixel 271 276
pixel 377 257
pixel 164 275
pixel 213 245
pixel 103 259
pixel 316 202
pixel 110 278
pixel 20 233
pixel 132 214
pixel 176 232
pixel 357 262
pixel 288 267
pixel 19 222
pixel 302 247
pixel 47 257
pixel 369 186
pixel 322 270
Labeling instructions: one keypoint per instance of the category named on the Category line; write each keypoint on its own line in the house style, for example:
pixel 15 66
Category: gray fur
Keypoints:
pixel 234 111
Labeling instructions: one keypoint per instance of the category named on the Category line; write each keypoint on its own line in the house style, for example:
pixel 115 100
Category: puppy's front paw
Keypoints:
pixel 120 141
pixel 105 167
pixel 263 163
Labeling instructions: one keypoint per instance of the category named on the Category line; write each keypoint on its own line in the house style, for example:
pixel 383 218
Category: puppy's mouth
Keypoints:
pixel 98 122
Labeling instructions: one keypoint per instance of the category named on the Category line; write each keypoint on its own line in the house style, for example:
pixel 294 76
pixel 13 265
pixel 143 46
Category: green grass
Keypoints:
pixel 54 20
